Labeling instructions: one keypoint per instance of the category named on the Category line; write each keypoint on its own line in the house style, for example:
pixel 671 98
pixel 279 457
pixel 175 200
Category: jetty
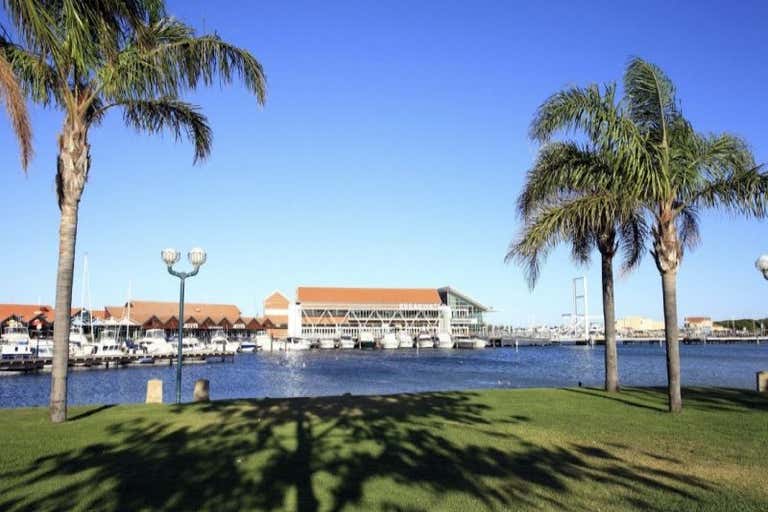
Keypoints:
pixel 32 364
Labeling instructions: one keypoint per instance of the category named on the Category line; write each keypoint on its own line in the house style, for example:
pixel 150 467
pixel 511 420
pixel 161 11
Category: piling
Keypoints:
pixel 154 391
pixel 762 382
pixel 202 391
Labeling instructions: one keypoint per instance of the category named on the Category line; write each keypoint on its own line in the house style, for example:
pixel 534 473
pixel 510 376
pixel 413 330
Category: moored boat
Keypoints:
pixel 107 344
pixel 291 344
pixel 424 340
pixel 154 343
pixel 444 340
pixel 366 339
pixel 14 343
pixel 389 341
pixel 404 340
pixel 470 342
pixel 347 342
pixel 327 343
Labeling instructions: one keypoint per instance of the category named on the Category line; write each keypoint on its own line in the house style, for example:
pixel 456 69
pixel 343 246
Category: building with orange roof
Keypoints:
pixel 336 311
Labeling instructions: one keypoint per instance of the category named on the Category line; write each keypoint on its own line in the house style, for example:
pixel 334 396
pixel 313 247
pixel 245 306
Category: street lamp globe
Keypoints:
pixel 197 257
pixel 170 256
pixel 762 265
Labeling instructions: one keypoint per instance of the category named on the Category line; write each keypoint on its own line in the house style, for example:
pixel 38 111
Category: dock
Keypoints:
pixel 33 364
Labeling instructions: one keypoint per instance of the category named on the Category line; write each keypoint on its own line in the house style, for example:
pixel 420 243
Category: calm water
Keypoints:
pixel 373 372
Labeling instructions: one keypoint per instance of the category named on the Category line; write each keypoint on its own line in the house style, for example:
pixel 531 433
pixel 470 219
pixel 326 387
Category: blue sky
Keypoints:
pixel 390 152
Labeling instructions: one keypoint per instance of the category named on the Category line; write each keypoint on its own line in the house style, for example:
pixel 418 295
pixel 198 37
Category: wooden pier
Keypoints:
pixel 32 364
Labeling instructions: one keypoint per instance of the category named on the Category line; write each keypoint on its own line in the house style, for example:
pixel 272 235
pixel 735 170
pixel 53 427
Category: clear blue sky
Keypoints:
pixel 390 152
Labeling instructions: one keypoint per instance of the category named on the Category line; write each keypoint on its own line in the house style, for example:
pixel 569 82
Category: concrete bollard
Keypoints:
pixel 762 382
pixel 202 391
pixel 154 391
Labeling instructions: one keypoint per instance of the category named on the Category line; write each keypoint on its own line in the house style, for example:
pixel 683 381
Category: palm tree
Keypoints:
pixel 88 58
pixel 674 173
pixel 678 173
pixel 573 194
pixel 11 93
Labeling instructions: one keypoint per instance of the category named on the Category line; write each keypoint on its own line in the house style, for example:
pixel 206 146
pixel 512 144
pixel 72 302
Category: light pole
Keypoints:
pixel 171 256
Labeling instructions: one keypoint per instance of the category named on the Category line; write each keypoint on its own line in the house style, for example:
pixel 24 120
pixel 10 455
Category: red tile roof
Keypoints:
pixel 25 312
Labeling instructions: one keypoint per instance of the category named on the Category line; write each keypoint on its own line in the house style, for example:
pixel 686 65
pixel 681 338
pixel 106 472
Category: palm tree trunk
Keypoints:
pixel 609 319
pixel 669 290
pixel 72 172
pixel 65 272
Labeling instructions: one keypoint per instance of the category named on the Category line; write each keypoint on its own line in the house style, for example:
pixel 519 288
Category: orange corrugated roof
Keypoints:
pixel 323 295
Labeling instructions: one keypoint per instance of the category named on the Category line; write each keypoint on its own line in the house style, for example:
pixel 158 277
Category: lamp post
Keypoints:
pixel 171 256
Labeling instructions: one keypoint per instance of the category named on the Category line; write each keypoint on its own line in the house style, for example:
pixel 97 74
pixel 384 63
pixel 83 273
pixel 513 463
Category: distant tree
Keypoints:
pixel 90 57
pixel 574 194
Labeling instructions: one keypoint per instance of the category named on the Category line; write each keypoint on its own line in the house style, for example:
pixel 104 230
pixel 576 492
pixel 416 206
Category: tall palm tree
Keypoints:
pixel 12 94
pixel 88 58
pixel 574 195
pixel 680 172
pixel 674 172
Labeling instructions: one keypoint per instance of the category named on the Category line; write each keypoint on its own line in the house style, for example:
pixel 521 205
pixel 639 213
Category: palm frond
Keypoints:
pixel 168 113
pixel 576 221
pixel 38 78
pixel 650 98
pixel 688 229
pixel 633 235
pixel 11 92
pixel 561 168
pixel 166 58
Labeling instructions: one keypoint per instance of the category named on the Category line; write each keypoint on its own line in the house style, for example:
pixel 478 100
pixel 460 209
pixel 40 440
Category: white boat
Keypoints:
pixel 366 339
pixel 389 341
pixel 190 346
pixel 467 342
pixel 404 340
pixel 264 342
pixel 248 344
pixel 327 343
pixel 43 347
pixel 14 343
pixel 346 342
pixel 424 340
pixel 444 340
pixel 107 345
pixel 291 344
pixel 219 340
pixel 154 343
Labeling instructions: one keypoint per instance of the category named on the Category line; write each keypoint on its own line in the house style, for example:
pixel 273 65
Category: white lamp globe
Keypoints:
pixel 197 257
pixel 762 265
pixel 170 256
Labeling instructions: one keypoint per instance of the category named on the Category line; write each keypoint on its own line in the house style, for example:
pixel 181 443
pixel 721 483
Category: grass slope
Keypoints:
pixel 538 449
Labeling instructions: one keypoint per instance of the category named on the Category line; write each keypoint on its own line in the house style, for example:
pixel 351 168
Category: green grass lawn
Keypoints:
pixel 553 449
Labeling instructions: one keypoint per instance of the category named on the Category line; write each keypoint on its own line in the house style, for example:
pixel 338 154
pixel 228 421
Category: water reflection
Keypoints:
pixel 375 372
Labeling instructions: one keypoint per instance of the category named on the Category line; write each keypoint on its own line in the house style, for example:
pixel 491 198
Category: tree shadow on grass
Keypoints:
pixel 399 453
pixel 702 399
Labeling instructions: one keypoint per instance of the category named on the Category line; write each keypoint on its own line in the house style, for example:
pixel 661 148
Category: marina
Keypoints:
pixel 336 372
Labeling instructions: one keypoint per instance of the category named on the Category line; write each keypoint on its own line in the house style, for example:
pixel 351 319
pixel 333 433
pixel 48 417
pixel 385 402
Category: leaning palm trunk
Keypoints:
pixel 609 318
pixel 73 163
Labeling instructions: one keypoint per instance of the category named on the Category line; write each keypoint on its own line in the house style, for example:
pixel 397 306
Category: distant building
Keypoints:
pixel 698 324
pixel 276 307
pixel 333 311
pixel 38 318
pixel 638 324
